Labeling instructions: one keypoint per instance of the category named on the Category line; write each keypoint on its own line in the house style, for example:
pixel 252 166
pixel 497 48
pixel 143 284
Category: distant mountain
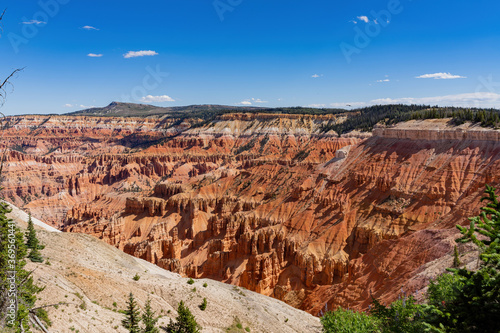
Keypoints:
pixel 118 109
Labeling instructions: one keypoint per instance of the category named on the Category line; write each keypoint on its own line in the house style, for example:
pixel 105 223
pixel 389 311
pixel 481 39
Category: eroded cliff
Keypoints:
pixel 268 202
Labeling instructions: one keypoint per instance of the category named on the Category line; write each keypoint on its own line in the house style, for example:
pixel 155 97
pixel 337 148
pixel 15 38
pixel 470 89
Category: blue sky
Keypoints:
pixel 81 53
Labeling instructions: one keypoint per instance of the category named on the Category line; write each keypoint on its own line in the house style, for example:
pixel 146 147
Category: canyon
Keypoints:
pixel 269 202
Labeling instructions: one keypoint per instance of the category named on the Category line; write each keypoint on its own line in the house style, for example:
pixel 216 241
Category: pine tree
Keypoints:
pixel 185 321
pixel 32 242
pixel 35 255
pixel 471 303
pixel 456 258
pixel 12 273
pixel 149 319
pixel 132 315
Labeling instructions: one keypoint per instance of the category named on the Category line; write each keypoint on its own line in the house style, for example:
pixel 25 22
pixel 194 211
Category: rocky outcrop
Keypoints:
pixel 436 130
pixel 271 203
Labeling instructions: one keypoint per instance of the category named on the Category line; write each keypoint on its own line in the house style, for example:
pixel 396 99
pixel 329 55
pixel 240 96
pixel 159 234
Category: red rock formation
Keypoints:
pixel 267 202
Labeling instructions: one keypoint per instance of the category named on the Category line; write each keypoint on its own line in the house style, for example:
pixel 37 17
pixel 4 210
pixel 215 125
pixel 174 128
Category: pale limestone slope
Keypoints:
pixel 83 265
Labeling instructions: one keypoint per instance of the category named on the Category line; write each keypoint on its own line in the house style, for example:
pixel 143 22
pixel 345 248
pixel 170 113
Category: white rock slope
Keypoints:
pixel 95 279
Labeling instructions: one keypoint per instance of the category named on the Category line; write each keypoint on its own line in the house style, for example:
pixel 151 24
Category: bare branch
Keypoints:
pixel 1 17
pixel 34 318
pixel 11 75
pixel 25 279
pixel 49 305
pixel 3 93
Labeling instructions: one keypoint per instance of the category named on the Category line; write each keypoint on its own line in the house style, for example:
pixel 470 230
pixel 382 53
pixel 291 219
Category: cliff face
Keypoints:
pixel 270 203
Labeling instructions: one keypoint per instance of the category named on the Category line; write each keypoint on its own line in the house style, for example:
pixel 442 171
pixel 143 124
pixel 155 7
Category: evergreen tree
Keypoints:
pixel 13 275
pixel 149 319
pixel 132 315
pixel 185 321
pixel 35 255
pixel 456 258
pixel 472 297
pixel 31 240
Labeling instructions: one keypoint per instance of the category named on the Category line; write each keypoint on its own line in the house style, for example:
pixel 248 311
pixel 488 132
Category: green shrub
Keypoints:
pixel 401 316
pixel 348 321
pixel 203 305
pixel 190 281
pixel 136 277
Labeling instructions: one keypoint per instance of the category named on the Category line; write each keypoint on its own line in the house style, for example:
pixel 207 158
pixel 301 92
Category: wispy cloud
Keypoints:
pixel 441 76
pixel 364 18
pixel 94 55
pixel 89 27
pixel 479 99
pixel 251 101
pixel 34 22
pixel 157 99
pixel 134 54
pixel 78 106
pixel 347 104
pixel 316 105
pixel 384 80
pixel 315 76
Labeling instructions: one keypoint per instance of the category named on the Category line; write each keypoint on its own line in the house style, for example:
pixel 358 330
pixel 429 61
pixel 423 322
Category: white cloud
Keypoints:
pixel 133 54
pixel 479 99
pixel 315 76
pixel 348 104
pixel 364 18
pixel 157 99
pixel 440 76
pixel 353 21
pixel 316 105
pixel 89 27
pixel 34 22
pixel 251 101
pixel 384 80
pixel 78 106
pixel 94 55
